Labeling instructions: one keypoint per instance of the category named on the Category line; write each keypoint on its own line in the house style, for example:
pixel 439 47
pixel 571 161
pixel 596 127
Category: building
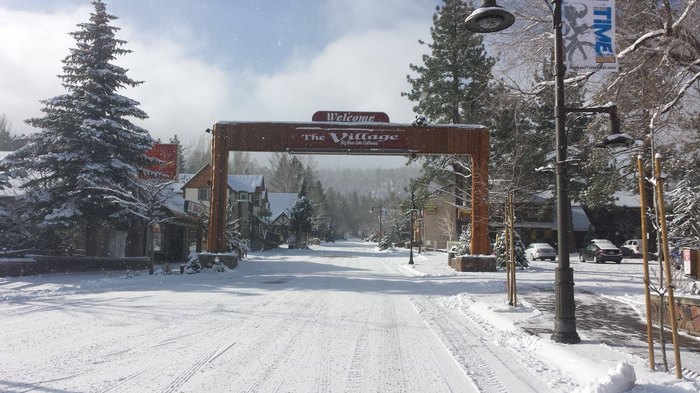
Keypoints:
pixel 247 200
pixel 281 204
pixel 169 235
pixel 439 223
pixel 535 221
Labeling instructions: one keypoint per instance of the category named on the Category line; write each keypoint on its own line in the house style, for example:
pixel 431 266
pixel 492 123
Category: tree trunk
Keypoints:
pixel 91 238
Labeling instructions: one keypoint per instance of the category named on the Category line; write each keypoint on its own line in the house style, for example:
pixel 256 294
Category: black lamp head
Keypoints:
pixel 489 18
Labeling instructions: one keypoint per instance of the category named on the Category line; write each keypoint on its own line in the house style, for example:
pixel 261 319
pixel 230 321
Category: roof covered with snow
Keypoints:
pixel 245 183
pixel 627 199
pixel 280 202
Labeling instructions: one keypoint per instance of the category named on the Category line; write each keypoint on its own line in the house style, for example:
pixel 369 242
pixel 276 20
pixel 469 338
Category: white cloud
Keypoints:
pixel 361 72
pixel 33 45
pixel 185 92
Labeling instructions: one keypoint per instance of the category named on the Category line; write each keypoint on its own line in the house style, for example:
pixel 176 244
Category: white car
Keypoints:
pixel 632 247
pixel 535 251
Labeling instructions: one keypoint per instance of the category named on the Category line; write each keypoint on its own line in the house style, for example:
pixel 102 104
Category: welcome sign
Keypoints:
pixel 589 35
pixel 349 139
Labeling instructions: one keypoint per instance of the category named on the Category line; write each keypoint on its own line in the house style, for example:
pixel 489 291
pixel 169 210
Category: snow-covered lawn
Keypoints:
pixel 338 317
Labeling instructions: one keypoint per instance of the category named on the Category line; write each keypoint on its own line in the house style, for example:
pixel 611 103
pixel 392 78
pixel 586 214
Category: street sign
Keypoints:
pixel 167 153
pixel 349 139
pixel 351 117
pixel 430 208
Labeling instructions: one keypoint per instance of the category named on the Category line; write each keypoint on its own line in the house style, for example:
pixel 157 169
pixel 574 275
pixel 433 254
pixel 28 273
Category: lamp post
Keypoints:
pixel 491 18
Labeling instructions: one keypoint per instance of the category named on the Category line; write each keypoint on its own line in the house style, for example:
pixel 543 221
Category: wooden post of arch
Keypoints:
pixel 350 138
pixel 216 239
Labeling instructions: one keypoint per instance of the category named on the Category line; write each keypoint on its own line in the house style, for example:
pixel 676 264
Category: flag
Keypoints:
pixel 588 29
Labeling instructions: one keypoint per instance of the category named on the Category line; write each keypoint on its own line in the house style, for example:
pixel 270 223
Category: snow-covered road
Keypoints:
pixel 338 318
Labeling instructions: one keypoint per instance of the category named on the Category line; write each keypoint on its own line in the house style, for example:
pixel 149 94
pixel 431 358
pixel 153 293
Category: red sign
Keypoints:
pixel 167 153
pixel 194 208
pixel 349 139
pixel 351 117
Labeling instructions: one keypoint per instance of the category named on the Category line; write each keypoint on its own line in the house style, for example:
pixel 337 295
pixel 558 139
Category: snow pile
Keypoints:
pixel 620 379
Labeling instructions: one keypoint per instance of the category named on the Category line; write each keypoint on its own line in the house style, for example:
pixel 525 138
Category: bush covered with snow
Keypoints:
pixel 193 265
pixel 500 250
pixel 384 244
pixel 465 239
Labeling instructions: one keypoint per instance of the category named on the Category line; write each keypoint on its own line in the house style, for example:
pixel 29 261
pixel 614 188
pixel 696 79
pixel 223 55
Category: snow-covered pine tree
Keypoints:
pixel 452 86
pixel 85 162
pixel 302 214
pixel 500 250
pixel 685 220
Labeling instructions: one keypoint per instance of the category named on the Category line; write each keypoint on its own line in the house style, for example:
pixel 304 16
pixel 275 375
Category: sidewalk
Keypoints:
pixel 617 325
pixel 609 314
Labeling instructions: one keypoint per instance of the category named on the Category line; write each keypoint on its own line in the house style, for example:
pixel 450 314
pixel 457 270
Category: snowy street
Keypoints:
pixel 340 317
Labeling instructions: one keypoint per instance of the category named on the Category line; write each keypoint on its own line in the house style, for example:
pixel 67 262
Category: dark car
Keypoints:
pixel 601 252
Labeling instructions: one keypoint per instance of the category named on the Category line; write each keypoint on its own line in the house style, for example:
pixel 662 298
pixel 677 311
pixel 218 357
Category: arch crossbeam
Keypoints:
pixel 349 138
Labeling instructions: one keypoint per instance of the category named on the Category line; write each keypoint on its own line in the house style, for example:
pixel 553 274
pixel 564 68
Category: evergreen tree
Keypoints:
pixel 8 142
pixel 451 86
pixel 453 81
pixel 86 160
pixel 501 250
pixel 322 219
pixel 301 217
pixel 685 200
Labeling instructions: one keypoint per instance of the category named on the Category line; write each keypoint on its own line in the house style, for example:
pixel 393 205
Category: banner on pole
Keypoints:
pixel 589 35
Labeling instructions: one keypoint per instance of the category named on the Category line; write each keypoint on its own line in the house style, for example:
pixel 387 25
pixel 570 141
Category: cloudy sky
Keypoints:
pixel 209 60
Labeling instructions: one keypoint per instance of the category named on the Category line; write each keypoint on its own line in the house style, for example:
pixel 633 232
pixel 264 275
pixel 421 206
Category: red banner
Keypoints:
pixel 168 154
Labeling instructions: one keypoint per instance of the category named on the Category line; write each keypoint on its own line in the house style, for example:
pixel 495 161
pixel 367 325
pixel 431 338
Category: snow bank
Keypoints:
pixel 620 379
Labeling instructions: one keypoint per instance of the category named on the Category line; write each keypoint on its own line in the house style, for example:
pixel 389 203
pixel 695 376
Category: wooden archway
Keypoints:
pixel 349 138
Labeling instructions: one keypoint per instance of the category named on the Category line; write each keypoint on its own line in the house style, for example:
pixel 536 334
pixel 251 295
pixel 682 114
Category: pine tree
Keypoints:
pixel 86 160
pixel 453 82
pixel 451 86
pixel 301 217
pixel 8 142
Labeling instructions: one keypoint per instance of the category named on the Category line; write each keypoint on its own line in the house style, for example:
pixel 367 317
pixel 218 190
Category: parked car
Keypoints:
pixel 596 241
pixel 600 252
pixel 535 251
pixel 632 248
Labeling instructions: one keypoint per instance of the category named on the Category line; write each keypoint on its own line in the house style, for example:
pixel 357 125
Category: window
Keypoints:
pixel 203 194
pixel 243 196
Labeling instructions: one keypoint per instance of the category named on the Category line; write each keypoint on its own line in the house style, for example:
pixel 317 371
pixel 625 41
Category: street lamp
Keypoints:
pixel 489 18
pixel 486 19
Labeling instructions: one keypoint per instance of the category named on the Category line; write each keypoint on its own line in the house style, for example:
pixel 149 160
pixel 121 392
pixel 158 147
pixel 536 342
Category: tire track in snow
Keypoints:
pixel 196 366
pixel 359 359
pixel 124 383
pixel 323 375
pixel 490 368
pixel 393 342
pixel 188 337
pixel 276 365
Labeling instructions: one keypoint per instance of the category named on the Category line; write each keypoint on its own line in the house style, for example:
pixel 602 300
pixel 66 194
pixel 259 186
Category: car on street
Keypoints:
pixel 535 251
pixel 600 252
pixel 632 248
